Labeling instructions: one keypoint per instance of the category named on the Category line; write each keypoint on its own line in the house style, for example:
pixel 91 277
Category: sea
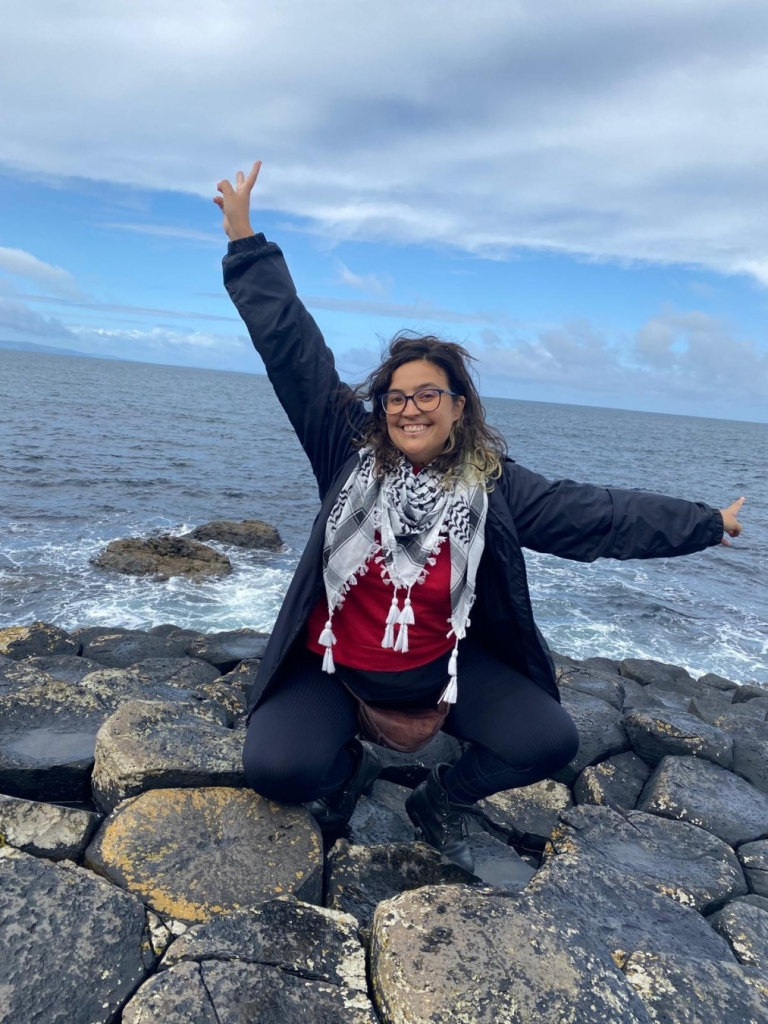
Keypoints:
pixel 92 450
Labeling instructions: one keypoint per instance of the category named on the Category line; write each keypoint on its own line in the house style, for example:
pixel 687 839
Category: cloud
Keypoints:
pixel 377 284
pixel 609 131
pixel 115 307
pixel 19 263
pixel 169 231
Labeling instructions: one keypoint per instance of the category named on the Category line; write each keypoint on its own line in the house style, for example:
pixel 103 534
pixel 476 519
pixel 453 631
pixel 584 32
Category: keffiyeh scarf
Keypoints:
pixel 413 514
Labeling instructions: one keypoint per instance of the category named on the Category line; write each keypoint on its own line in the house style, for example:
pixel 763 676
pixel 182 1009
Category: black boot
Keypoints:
pixel 441 823
pixel 332 812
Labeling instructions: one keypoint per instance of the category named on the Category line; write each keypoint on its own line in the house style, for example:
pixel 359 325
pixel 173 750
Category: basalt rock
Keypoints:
pixel 125 649
pixel 45 830
pixel 412 769
pixel 253 534
pixel 358 878
pixel 716 682
pixel 451 954
pixel 678 860
pixel 750 760
pixel 226 650
pixel 381 817
pixel 498 864
pixel 151 745
pixel 72 947
pixel 701 793
pixel 608 687
pixel 657 734
pixel 617 782
pixel 163 557
pixel 600 732
pixel 749 691
pixel 686 990
pixel 745 927
pixel 192 854
pixel 646 671
pixel 528 814
pixel 754 860
pixel 39 639
pixel 67 668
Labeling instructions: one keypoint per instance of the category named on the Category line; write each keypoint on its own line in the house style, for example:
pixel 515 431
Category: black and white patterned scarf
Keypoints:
pixel 413 514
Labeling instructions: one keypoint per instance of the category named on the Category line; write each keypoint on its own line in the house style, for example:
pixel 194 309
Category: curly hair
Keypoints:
pixel 473 450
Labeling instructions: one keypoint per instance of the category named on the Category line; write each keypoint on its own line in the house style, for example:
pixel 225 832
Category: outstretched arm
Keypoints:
pixel 298 362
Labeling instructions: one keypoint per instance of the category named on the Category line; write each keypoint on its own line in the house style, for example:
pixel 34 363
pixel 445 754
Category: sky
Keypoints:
pixel 576 192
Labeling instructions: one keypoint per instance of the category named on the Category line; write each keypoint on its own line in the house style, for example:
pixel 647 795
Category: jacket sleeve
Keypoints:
pixel 298 362
pixel 584 522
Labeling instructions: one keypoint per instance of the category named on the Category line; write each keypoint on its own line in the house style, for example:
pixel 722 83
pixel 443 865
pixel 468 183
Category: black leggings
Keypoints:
pixel 297 744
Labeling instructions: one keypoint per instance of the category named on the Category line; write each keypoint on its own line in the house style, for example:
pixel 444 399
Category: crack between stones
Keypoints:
pixel 294 972
pixel 207 992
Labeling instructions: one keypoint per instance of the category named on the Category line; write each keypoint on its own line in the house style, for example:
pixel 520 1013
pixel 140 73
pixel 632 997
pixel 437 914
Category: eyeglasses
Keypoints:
pixel 425 400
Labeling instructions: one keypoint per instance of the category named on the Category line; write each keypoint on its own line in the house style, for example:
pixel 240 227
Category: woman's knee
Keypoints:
pixel 280 776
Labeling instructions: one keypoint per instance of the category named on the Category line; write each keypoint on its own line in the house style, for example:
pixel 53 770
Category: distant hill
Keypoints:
pixel 53 350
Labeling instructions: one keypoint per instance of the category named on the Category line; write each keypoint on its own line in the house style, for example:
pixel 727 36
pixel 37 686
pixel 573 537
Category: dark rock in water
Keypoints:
pixel 716 682
pixel 191 854
pixel 67 668
pixel 126 648
pixel 745 927
pixel 608 665
pixel 580 887
pixel 609 688
pixel 671 857
pixel 38 640
pixel 497 864
pixel 45 830
pixel 657 734
pixel 412 769
pixel 647 671
pixel 72 947
pixel 686 990
pixel 754 860
pixel 617 782
pixel 749 691
pixel 253 534
pixel 528 814
pixel 453 954
pixel 600 732
pixel 226 650
pixel 162 558
pixel 690 789
pixel 360 877
pixel 381 817
pixel 150 745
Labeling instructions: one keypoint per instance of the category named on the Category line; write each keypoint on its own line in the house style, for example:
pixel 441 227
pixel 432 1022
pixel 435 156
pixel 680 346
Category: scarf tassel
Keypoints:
pixel 402 639
pixel 451 692
pixel 327 640
pixel 392 620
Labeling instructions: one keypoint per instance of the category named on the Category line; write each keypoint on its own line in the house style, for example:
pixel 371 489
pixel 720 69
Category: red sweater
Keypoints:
pixel 360 622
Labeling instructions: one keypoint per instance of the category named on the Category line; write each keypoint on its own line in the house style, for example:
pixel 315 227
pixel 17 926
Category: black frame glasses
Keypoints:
pixel 384 399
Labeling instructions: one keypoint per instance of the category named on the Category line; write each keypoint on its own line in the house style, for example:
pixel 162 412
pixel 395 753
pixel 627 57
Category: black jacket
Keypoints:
pixel 577 521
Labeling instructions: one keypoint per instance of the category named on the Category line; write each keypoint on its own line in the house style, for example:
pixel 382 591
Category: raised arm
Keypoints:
pixel 298 362
pixel 584 522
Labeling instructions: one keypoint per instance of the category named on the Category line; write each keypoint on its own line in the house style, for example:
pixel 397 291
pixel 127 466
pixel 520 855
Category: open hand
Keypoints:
pixel 235 203
pixel 731 525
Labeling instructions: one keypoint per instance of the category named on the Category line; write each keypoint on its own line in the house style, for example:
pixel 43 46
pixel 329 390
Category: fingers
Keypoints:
pixel 736 506
pixel 253 175
pixel 225 187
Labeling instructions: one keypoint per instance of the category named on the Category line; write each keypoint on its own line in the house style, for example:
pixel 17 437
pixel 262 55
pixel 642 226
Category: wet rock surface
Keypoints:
pixel 685 990
pixel 706 795
pixel 617 782
pixel 253 534
pixel 671 857
pixel 656 734
pixel 204 862
pixel 62 926
pixel 151 745
pixel 193 853
pixel 38 640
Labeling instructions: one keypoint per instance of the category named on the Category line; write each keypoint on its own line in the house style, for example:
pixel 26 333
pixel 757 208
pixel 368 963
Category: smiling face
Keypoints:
pixel 421 436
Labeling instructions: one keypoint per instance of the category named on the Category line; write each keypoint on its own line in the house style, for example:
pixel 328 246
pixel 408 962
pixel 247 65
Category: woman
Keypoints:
pixel 378 609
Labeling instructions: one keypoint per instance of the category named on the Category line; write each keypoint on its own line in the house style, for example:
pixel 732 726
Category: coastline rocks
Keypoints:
pixel 647 672
pixel 163 557
pixel 192 854
pixel 45 830
pixel 745 927
pixel 671 857
pixel 39 639
pixel 358 878
pixel 685 990
pixel 600 732
pixel 380 817
pixel 74 952
pixel 699 792
pixel 252 534
pixel 530 813
pixel 754 860
pixel 451 954
pixel 152 745
pixel 617 782
pixel 226 650
pixel 655 734
pixel 127 648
